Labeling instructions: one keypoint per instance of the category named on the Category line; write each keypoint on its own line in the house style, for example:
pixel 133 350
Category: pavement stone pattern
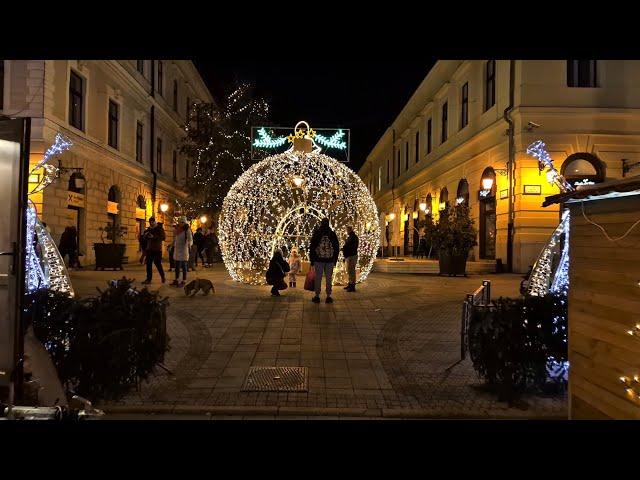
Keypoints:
pixel 388 350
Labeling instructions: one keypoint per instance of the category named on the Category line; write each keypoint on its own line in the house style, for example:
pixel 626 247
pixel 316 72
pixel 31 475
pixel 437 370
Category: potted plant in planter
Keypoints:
pixel 110 255
pixel 454 235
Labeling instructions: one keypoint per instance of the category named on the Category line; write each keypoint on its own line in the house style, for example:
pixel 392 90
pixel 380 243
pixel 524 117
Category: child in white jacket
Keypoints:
pixel 295 264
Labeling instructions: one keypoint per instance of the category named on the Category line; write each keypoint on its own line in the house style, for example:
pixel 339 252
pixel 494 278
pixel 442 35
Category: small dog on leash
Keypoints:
pixel 199 284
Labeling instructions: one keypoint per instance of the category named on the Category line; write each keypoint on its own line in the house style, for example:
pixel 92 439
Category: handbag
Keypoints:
pixel 310 280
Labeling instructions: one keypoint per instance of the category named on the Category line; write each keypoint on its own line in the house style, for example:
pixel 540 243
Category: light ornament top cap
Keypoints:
pixel 302 139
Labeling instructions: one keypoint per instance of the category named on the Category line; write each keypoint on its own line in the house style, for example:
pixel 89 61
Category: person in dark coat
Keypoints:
pixel 198 241
pixel 323 252
pixel 350 252
pixel 154 236
pixel 69 246
pixel 208 248
pixel 278 268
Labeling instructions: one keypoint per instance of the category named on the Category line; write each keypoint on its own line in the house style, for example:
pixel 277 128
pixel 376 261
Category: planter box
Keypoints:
pixel 109 255
pixel 453 264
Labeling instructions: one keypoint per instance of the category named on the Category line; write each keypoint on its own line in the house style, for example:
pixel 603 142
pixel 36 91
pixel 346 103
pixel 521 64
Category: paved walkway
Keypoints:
pixel 384 351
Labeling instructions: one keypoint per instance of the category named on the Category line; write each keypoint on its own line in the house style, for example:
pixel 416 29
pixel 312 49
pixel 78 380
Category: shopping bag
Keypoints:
pixel 310 280
pixel 281 285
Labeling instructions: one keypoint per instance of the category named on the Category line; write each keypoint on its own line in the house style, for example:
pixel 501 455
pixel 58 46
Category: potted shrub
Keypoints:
pixel 110 255
pixel 453 236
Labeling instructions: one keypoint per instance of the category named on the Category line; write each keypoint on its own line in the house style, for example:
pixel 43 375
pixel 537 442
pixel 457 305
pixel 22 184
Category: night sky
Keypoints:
pixel 362 96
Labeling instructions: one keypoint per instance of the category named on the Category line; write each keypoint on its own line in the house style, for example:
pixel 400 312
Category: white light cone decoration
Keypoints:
pixel 269 207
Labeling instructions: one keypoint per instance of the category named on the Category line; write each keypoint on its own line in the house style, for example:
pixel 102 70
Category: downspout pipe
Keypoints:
pixel 511 163
pixel 152 135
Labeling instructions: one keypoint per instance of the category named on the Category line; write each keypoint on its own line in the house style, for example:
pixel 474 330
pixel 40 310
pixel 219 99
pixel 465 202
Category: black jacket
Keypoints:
pixel 278 267
pixel 350 247
pixel 316 238
pixel 198 239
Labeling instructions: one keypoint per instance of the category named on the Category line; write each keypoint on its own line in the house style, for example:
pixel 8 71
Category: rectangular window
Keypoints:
pixel 429 136
pixel 139 141
pixel 406 156
pixel 398 158
pixel 76 100
pixel 388 169
pixel 187 111
pixel 159 155
pixel 114 117
pixel 582 73
pixel 175 95
pixel 1 84
pixel 464 107
pixel 379 178
pixel 175 165
pixel 140 66
pixel 160 76
pixel 445 119
pixel 489 85
pixel 417 146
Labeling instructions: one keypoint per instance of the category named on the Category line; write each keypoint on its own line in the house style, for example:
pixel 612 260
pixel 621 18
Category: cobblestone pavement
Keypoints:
pixel 388 350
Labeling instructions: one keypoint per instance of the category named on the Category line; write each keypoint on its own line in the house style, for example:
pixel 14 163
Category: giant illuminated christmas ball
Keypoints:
pixel 279 201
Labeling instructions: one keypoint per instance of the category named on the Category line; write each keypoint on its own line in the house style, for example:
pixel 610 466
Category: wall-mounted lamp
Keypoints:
pixel 487 183
pixel 164 207
pixel 203 219
pixel 423 206
pixel 392 216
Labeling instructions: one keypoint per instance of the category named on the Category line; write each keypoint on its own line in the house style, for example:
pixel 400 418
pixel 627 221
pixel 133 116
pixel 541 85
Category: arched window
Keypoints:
pixel 113 194
pixel 462 195
pixel 581 167
pixel 444 199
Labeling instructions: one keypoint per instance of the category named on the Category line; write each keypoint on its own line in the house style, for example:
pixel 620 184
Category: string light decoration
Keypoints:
pixel 267 208
pixel 47 269
pixel 538 150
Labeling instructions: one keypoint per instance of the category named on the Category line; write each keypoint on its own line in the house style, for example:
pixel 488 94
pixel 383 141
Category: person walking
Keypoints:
pixel 154 236
pixel 69 246
pixel 324 250
pixel 350 252
pixel 182 241
pixel 295 264
pixel 198 241
pixel 276 272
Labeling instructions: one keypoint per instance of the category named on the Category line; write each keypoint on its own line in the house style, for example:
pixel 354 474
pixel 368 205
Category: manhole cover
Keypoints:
pixel 276 379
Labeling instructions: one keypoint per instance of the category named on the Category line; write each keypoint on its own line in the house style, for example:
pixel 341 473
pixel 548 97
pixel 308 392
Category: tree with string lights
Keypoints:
pixel 218 146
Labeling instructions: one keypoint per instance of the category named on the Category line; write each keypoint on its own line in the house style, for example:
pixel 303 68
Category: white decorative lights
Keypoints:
pixel 45 266
pixel 280 200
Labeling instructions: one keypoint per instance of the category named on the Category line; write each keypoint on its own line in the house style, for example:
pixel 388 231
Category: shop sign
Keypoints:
pixel 75 199
pixel 141 213
pixel 112 207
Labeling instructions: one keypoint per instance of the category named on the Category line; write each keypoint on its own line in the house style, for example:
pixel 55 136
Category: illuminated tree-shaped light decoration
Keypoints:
pixel 46 269
pixel 280 200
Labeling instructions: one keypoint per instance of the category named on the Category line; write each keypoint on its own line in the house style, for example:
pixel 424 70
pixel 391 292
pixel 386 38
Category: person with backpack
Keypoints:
pixel 324 250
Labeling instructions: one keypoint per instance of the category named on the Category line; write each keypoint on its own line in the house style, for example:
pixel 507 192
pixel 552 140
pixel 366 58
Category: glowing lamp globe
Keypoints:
pixel 203 219
pixel 164 207
pixel 487 183
pixel 262 212
pixel 423 206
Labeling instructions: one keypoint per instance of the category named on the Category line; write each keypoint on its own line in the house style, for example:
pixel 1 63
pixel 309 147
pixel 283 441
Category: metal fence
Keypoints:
pixel 482 296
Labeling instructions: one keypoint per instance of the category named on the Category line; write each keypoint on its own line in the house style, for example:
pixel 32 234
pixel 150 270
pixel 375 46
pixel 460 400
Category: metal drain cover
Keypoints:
pixel 276 379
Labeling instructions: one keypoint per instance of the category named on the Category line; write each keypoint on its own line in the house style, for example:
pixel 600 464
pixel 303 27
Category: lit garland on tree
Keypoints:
pixel 218 144
pixel 280 200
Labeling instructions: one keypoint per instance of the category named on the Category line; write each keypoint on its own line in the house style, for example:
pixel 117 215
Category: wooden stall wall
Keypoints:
pixel 604 304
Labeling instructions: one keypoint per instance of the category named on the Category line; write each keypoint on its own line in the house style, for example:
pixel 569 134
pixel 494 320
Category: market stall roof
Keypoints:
pixel 611 188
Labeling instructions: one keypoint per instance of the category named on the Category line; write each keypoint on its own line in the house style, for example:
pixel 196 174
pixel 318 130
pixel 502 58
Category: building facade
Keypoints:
pixel 453 141
pixel 126 119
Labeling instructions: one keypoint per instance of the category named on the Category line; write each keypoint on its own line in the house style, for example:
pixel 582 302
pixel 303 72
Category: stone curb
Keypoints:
pixel 389 413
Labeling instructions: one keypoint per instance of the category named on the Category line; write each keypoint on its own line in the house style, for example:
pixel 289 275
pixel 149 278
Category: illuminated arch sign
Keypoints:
pixel 267 141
